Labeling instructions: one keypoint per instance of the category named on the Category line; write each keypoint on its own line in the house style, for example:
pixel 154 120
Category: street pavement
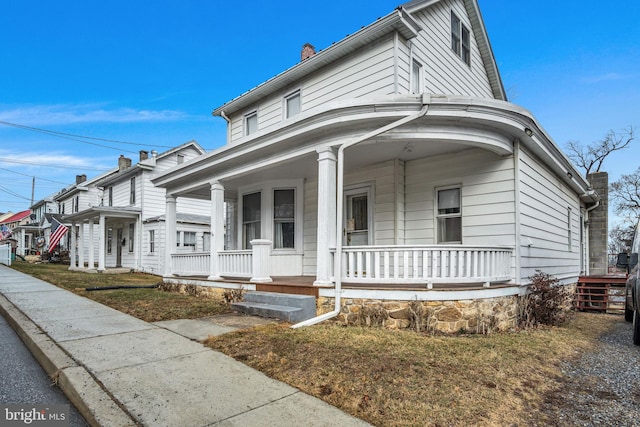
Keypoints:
pixel 24 382
pixel 120 371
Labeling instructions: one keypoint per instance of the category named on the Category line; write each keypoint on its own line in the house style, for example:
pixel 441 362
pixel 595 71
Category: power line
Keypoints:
pixel 72 137
pixel 24 162
pixel 6 190
pixel 41 179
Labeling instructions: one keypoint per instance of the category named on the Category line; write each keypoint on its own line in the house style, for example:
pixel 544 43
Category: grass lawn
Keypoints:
pixel 149 305
pixel 386 377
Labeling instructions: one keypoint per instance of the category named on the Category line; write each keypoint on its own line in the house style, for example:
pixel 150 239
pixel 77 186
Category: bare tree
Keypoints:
pixel 591 157
pixel 620 238
pixel 625 194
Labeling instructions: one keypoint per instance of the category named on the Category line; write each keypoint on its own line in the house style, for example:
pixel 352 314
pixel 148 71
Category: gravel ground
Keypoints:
pixel 603 386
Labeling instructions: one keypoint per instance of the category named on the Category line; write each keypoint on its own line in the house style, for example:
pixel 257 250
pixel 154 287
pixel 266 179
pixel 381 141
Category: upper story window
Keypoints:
pixel 75 203
pixel 449 215
pixel 416 77
pixel 110 196
pixel 460 39
pixel 292 104
pixel 250 123
pixel 132 191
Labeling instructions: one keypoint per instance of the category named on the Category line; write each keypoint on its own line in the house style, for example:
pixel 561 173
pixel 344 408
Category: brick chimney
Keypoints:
pixel 80 179
pixel 599 225
pixel 307 51
pixel 144 155
pixel 123 163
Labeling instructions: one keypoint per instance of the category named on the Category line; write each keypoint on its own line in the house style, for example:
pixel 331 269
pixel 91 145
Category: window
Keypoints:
pixel 132 191
pixel 284 210
pixel 449 215
pixel 460 39
pixel 250 218
pixel 110 196
pixel 189 239
pixel 569 235
pixel 152 241
pixel 131 229
pixel 416 77
pixel 292 104
pixel 109 240
pixel 75 203
pixel 250 123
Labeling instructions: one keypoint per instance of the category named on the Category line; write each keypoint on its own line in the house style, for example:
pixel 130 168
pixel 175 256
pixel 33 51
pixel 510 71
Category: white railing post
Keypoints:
pixel 261 261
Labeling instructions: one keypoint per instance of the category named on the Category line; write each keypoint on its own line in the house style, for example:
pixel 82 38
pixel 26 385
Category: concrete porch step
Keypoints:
pixel 287 307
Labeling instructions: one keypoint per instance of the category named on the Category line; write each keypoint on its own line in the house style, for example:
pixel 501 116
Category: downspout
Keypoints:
pixel 224 116
pixel 426 99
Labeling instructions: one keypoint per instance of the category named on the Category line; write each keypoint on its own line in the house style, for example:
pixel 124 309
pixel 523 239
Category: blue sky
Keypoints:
pixel 150 73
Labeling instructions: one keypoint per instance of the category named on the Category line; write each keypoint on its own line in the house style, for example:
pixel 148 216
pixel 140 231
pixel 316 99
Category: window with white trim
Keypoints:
pixel 110 196
pixel 284 223
pixel 251 206
pixel 132 191
pixel 292 104
pixel 416 77
pixel 250 123
pixel 449 215
pixel 569 234
pixel 460 39
pixel 131 231
pixel 152 241
pixel 109 240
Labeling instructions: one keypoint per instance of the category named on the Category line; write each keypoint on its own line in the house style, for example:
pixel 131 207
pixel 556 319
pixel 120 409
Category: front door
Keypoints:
pixel 119 247
pixel 357 220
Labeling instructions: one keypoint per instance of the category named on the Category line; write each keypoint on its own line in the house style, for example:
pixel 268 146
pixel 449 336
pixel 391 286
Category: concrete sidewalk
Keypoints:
pixel 121 371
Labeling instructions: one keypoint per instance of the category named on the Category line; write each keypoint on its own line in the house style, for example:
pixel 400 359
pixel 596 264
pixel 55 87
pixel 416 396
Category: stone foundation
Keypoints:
pixel 194 290
pixel 469 316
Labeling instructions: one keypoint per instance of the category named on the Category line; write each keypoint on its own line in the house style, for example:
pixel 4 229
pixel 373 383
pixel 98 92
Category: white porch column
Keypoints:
pixel 72 249
pixel 217 229
pixel 170 233
pixel 91 245
pixel 102 233
pixel 326 215
pixel 81 244
pixel 260 261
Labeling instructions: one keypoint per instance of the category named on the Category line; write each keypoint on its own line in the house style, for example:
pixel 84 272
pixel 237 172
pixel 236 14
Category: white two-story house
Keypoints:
pixel 388 166
pixel 119 221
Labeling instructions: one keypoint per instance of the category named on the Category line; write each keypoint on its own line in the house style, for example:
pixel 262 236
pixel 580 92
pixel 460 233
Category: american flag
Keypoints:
pixel 5 233
pixel 57 231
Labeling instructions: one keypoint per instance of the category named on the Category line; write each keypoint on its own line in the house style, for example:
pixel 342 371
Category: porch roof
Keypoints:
pixel 452 123
pixel 110 211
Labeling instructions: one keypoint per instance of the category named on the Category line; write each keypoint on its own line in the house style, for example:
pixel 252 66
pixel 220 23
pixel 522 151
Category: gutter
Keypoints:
pixel 426 100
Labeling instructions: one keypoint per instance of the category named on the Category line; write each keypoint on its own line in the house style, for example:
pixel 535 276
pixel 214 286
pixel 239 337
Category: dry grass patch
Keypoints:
pixel 149 305
pixel 400 378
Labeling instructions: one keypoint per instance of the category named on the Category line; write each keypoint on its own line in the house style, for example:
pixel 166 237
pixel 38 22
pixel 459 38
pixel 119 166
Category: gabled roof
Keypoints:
pixel 17 217
pixel 399 20
pixel 148 164
pixel 83 186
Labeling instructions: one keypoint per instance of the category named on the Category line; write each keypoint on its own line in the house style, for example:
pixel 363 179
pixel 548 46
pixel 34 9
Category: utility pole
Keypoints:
pixel 33 189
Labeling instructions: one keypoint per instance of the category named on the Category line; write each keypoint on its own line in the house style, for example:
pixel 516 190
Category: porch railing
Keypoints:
pixel 191 263
pixel 426 264
pixel 236 263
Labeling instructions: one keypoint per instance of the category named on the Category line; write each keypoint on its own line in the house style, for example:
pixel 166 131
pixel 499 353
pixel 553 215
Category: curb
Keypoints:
pixel 83 391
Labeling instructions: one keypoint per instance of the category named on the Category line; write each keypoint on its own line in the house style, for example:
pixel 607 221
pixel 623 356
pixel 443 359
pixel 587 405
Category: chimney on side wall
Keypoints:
pixel 599 225
pixel 144 155
pixel 123 163
pixel 307 51
pixel 80 179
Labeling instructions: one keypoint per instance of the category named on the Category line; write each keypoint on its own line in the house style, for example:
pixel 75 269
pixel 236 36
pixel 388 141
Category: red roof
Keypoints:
pixel 17 217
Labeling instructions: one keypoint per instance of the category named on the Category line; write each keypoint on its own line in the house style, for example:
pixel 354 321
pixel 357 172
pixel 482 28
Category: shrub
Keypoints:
pixel 547 303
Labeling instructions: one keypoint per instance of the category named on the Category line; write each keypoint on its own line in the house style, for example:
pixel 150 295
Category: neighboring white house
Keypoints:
pixel 388 166
pixel 116 221
pixel 33 236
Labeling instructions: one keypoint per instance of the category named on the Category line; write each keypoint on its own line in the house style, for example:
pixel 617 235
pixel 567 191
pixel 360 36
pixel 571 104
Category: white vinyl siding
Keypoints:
pixel 445 72
pixel 543 211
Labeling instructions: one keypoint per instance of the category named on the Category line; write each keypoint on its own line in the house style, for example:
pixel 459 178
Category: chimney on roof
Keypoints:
pixel 154 153
pixel 80 179
pixel 144 155
pixel 123 163
pixel 307 51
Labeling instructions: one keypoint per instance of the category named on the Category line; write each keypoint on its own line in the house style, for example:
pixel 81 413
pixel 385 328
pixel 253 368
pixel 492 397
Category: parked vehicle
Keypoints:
pixel 632 288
